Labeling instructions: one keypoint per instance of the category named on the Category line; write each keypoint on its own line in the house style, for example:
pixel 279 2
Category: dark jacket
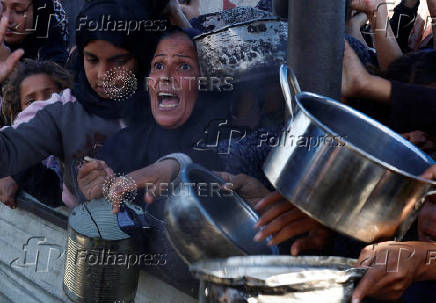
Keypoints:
pixel 413 108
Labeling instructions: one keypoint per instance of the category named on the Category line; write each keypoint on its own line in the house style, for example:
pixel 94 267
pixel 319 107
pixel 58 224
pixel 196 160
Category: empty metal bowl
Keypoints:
pixel 206 222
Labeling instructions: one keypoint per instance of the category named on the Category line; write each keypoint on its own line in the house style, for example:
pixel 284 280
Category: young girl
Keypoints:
pixel 40 27
pixel 33 81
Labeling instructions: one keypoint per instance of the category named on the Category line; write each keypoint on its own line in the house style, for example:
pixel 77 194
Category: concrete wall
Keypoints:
pixel 32 261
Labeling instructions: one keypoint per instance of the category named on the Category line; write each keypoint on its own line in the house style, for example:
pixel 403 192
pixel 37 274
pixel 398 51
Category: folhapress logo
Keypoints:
pixel 38 254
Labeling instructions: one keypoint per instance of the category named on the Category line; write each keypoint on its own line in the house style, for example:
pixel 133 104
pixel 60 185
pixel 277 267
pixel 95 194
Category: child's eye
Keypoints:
pixel 158 66
pixel 29 101
pixel 18 12
pixel 48 94
pixel 185 66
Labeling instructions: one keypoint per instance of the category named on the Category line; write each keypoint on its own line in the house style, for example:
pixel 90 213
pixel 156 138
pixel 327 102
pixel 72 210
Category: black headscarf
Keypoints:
pixel 49 39
pixel 141 43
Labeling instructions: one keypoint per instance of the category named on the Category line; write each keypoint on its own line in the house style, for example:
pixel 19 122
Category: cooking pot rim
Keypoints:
pixel 205 269
pixel 358 150
pixel 238 24
pixel 184 178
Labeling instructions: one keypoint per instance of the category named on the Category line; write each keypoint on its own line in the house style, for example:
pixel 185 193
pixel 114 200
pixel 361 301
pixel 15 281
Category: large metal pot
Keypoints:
pixel 347 170
pixel 204 222
pixel 216 20
pixel 243 50
pixel 282 279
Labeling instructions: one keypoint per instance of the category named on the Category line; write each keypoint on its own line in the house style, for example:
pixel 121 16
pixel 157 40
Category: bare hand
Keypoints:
pixel 92 177
pixel 421 140
pixel 283 221
pixel 191 10
pixel 176 14
pixel 387 278
pixel 5 52
pixel 154 179
pixel 354 73
pixel 355 24
pixel 8 190
pixel 366 6
pixel 8 63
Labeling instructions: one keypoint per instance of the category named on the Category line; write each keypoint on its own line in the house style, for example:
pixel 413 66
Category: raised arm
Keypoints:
pixel 176 14
pixel 7 61
pixel 384 39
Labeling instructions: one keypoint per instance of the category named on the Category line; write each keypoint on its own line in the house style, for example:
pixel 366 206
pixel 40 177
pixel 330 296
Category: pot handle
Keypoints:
pixel 290 88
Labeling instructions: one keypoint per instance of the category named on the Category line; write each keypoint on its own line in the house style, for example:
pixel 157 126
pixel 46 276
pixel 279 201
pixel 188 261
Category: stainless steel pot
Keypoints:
pixel 204 222
pixel 282 279
pixel 217 20
pixel 347 170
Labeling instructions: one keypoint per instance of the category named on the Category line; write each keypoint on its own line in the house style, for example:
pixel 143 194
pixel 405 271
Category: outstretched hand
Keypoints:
pixel 11 61
pixel 283 221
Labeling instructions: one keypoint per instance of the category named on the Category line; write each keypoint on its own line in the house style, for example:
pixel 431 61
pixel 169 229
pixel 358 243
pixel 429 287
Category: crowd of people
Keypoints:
pixel 60 105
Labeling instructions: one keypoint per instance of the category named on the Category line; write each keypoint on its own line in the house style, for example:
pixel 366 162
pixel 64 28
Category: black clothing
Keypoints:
pixel 42 183
pixel 402 23
pixel 413 108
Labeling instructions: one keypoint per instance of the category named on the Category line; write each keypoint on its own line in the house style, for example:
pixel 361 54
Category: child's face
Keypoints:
pixel 100 57
pixel 427 221
pixel 20 13
pixel 36 88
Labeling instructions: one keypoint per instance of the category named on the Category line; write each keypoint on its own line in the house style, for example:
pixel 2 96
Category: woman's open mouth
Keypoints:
pixel 168 101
